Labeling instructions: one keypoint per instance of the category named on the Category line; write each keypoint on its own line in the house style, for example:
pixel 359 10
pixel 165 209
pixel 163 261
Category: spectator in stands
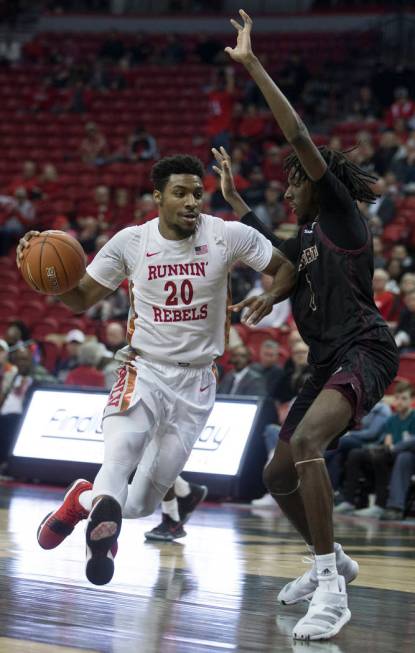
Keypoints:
pixel 388 303
pixel 252 125
pixel 280 312
pixel 17 215
pixel 400 253
pixel 383 210
pixel 122 210
pixel 255 193
pixel 17 333
pixel 220 100
pixel 145 209
pixel 267 365
pixel 394 269
pixel 242 380
pixel 7 371
pixel 370 428
pixel 293 77
pixel 27 179
pixel 142 146
pixel 94 148
pixel 272 166
pixel 114 340
pixel 407 283
pixel 98 207
pixel 112 48
pixel 296 371
pixel 70 358
pixel 405 331
pixel 28 374
pixel 114 307
pixel 375 464
pixel 404 167
pixel 88 231
pixel 44 98
pixel 403 107
pixel 386 152
pixel 78 99
pixel 379 260
pixel 50 185
pixel 365 107
pixel 86 372
pixel 271 211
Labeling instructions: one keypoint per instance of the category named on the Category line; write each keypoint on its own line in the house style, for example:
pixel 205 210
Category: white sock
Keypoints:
pixel 181 487
pixel 310 548
pixel 85 499
pixel 171 509
pixel 327 572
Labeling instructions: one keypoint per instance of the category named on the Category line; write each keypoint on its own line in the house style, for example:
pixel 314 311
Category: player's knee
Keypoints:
pixel 279 479
pixel 305 443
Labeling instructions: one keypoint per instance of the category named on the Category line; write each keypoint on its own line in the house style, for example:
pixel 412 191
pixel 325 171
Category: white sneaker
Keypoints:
pixel 303 587
pixel 373 512
pixel 326 616
pixel 344 508
pixel 264 502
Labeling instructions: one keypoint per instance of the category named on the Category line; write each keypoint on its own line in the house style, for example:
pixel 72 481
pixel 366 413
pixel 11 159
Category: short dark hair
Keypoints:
pixel 357 180
pixel 179 164
pixel 404 386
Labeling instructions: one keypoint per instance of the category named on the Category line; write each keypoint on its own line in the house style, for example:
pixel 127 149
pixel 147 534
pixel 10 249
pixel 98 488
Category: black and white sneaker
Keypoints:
pixel 167 531
pixel 188 504
pixel 102 531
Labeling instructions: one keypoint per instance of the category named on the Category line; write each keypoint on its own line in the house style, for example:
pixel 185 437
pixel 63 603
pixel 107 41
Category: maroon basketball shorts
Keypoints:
pixel 361 374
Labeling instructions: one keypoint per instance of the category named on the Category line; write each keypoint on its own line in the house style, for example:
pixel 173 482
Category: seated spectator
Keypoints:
pixel 388 303
pixel 407 283
pixel 14 400
pixel 142 145
pixel 145 209
pixel 402 107
pixel 254 194
pixel 386 152
pixel 395 271
pixel 114 307
pixel 365 107
pixel 370 428
pixel 17 334
pixel 375 464
pixel 69 359
pixel 271 212
pixel 280 313
pixel 50 185
pixel 242 380
pixel 272 165
pixel 379 260
pixel 7 371
pixel 94 147
pixel 44 98
pixel 404 167
pixel 17 215
pixel 383 210
pixel 220 100
pixel 267 365
pixel 400 253
pixel 27 180
pixel 98 207
pixel 86 372
pixel 296 371
pixel 405 330
pixel 122 209
pixel 252 125
pixel 88 232
pixel 114 339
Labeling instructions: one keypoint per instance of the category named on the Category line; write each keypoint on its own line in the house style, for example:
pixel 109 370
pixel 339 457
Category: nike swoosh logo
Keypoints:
pixel 205 388
pixel 151 254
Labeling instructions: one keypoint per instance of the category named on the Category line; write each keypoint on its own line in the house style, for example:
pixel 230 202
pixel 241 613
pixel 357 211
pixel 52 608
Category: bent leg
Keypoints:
pixel 327 417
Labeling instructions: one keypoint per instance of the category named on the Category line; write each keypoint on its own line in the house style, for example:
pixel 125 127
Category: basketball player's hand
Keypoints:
pixel 224 170
pixel 242 52
pixel 257 308
pixel 23 243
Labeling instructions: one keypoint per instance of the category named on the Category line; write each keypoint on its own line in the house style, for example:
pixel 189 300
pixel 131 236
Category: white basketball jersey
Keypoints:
pixel 179 288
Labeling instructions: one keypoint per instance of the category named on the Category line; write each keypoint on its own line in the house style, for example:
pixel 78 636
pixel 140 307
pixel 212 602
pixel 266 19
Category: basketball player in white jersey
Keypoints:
pixel 177 266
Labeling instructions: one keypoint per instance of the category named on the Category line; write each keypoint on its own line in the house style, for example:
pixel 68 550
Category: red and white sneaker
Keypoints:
pixel 57 525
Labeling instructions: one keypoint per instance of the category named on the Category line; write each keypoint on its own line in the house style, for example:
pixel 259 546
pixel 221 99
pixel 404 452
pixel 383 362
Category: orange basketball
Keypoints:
pixel 53 263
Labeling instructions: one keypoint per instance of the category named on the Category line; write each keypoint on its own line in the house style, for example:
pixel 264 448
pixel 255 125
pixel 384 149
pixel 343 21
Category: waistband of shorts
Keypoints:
pixel 169 363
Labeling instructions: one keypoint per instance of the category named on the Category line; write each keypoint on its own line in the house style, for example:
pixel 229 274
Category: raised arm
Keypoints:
pixel 287 118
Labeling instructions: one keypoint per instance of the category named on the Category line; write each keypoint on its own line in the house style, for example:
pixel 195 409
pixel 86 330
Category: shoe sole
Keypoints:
pixel 102 532
pixel 307 598
pixel 163 538
pixel 329 634
pixel 202 498
pixel 45 520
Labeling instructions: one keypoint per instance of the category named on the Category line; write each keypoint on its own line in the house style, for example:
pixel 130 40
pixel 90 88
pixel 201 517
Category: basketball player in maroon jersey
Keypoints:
pixel 352 353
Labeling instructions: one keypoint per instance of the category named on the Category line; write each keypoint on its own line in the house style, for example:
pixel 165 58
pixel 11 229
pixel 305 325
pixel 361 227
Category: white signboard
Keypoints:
pixel 66 426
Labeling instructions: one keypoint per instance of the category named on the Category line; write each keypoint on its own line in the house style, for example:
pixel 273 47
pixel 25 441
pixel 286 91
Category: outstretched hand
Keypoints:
pixel 258 308
pixel 242 52
pixel 224 170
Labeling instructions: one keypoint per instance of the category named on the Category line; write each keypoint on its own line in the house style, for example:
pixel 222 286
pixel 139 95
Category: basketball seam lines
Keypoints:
pixel 61 262
pixel 51 236
pixel 40 264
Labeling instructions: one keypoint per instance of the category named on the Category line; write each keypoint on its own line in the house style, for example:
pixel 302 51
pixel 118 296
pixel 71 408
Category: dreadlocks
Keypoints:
pixel 357 181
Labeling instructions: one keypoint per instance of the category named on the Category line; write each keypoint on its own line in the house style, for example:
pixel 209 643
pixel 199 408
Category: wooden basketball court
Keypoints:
pixel 211 592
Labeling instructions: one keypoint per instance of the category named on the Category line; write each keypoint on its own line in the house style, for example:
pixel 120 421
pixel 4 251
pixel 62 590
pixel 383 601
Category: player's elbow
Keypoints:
pixel 300 135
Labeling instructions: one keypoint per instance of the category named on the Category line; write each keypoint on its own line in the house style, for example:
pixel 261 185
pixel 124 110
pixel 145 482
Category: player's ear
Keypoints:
pixel 157 197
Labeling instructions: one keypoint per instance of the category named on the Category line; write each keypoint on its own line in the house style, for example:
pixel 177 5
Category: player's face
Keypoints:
pixel 180 203
pixel 300 197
